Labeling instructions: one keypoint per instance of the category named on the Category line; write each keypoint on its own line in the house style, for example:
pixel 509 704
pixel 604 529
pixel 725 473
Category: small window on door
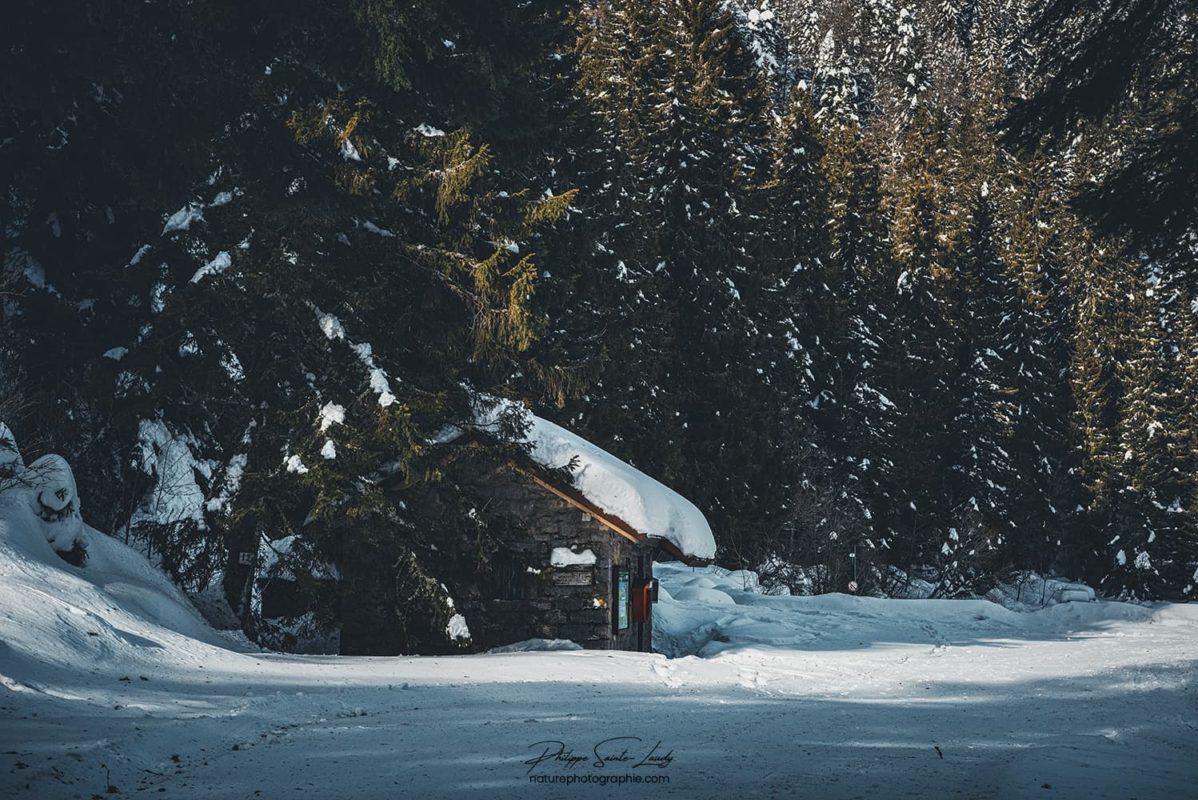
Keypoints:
pixel 509 577
pixel 623 599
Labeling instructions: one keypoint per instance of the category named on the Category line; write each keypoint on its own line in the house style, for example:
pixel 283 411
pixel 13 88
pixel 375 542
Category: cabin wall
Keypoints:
pixel 524 597
pixel 508 596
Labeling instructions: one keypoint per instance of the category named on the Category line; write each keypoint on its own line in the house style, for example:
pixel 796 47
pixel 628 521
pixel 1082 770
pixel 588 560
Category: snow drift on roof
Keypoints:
pixel 614 487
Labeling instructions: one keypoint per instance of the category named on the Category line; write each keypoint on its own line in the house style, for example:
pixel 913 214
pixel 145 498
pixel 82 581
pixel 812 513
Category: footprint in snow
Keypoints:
pixel 751 679
pixel 939 642
pixel 665 671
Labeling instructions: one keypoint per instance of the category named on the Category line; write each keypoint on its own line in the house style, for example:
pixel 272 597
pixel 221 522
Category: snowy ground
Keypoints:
pixel 111 680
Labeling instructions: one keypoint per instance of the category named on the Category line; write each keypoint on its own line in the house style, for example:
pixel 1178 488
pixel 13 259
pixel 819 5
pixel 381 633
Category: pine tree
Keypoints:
pixel 624 406
pixel 805 285
pixel 993 338
pixel 921 359
pixel 1048 451
pixel 727 370
pixel 1179 564
pixel 701 372
pixel 865 422
pixel 1142 442
pixel 1151 529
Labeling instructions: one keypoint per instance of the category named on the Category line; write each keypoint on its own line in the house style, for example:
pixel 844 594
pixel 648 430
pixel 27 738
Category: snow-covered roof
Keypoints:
pixel 615 488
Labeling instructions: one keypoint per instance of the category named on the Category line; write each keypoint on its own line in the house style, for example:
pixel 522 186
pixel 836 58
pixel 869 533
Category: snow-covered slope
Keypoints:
pixel 57 620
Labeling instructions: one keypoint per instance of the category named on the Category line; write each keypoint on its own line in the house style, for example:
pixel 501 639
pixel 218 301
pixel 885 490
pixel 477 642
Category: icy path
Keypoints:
pixel 107 681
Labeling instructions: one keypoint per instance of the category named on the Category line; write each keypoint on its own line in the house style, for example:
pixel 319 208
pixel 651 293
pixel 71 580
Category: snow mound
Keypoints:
pixel 536 646
pixel 699 594
pixel 710 611
pixel 613 486
pixel 114 612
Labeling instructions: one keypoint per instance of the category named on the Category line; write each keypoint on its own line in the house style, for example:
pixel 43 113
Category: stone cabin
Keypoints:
pixel 576 571
pixel 576 564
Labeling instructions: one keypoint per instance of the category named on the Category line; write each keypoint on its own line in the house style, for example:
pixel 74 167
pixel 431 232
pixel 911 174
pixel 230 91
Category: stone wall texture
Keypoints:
pixel 577 603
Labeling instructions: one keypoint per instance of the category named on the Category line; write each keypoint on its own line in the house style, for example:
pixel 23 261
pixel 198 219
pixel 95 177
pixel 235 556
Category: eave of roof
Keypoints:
pixel 571 495
pixel 575 498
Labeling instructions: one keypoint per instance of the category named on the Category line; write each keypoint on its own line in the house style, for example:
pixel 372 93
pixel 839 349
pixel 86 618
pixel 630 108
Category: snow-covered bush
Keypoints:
pixel 303 634
pixel 890 581
pixel 172 522
pixel 10 457
pixel 48 485
pixel 1029 590
pixel 55 499
pixel 970 557
pixel 825 545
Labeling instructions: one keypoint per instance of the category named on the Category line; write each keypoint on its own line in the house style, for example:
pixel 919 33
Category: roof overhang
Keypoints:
pixel 575 498
pixel 571 495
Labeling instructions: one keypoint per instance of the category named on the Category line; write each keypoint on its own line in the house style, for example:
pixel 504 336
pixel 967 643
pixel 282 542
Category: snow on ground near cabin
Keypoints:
pixel 615 487
pixel 111 679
